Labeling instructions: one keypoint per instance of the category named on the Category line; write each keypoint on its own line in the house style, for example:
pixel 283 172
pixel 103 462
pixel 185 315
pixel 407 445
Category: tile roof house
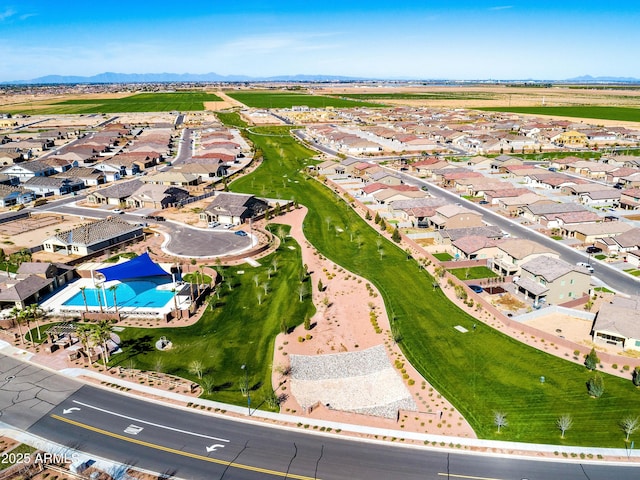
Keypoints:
pixel 552 281
pixel 589 233
pixel 234 208
pixel 454 216
pixel 115 194
pixel 474 247
pixel 157 196
pixel 23 291
pixel 535 212
pixel 46 186
pixel 10 196
pixel 618 323
pixel 447 237
pixel 623 242
pixel 25 170
pixel 92 237
pixel 514 252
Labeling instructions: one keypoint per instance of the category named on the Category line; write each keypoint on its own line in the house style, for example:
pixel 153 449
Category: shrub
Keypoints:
pixel 591 361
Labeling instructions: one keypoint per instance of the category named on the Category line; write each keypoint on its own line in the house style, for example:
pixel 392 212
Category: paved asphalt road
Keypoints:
pixel 191 445
pixel 184 240
pixel 611 276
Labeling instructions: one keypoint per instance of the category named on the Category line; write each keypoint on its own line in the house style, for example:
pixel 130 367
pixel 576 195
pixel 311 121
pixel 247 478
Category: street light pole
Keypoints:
pixel 246 387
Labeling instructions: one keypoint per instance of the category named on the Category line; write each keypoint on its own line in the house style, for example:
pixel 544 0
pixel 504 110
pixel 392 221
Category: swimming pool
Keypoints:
pixel 136 293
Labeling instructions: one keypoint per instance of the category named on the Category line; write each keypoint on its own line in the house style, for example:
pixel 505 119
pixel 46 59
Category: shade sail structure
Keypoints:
pixel 141 266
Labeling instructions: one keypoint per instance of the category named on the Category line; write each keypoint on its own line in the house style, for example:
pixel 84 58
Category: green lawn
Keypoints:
pixel 265 99
pixel 20 453
pixel 443 257
pixel 626 114
pixel 237 330
pixel 141 102
pixel 480 371
pixel 633 271
pixel 422 96
pixel 473 273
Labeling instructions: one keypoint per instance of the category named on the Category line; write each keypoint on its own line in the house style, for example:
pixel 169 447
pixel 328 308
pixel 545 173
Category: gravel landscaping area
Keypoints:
pixel 360 382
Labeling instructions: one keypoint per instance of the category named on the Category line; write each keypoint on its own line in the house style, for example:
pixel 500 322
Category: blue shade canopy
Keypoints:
pixel 141 266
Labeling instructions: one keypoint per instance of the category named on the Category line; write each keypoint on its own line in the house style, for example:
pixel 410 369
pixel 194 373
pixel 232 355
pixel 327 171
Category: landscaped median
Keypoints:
pixel 481 371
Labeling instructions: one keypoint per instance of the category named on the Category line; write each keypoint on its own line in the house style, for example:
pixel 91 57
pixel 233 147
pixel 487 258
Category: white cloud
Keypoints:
pixel 8 13
pixel 275 43
pixel 505 7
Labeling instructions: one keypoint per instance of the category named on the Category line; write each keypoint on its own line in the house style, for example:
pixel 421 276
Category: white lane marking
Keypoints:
pixel 150 423
pixel 69 410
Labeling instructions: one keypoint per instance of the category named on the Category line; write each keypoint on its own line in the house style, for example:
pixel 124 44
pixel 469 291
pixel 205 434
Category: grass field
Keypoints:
pixel 142 102
pixel 480 372
pixel 473 273
pixel 288 100
pixel 422 96
pixel 239 329
pixel 596 112
pixel 443 257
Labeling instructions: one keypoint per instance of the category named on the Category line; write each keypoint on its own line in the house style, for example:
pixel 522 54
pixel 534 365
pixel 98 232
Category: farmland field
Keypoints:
pixel 288 100
pixel 448 95
pixel 625 114
pixel 142 102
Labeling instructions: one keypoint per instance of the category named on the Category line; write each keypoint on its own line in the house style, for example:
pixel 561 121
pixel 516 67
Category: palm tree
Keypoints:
pixel 36 313
pixel 16 313
pixel 99 300
pixel 84 332
pixel 101 334
pixel 84 298
pixel 113 289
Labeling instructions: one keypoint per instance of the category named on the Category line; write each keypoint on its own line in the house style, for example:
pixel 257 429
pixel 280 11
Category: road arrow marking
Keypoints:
pixel 69 410
pixel 213 448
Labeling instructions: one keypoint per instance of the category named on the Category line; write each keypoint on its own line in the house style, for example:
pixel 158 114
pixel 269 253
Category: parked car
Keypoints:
pixel 483 202
pixel 586 266
pixel 476 288
pixel 241 233
pixel 213 224
pixel 117 211
pixel 594 250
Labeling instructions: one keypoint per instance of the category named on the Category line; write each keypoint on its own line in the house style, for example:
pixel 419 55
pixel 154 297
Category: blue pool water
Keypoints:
pixel 131 293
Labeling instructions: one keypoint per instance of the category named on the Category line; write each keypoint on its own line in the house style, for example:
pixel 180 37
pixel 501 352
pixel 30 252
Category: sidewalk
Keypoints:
pixel 312 425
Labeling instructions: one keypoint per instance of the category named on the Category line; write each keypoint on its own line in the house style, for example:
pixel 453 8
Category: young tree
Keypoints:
pixel 307 322
pixel 377 218
pixel 395 236
pixel 383 224
pixel 256 280
pixel 500 420
pixel 367 216
pixel 320 285
pixel 636 376
pixel 595 385
pixel 196 368
pixel 302 291
pixel 265 287
pixel 564 423
pixel 629 425
pixel 591 360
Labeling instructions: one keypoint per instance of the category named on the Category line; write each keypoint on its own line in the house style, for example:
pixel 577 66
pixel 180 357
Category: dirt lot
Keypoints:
pixel 29 232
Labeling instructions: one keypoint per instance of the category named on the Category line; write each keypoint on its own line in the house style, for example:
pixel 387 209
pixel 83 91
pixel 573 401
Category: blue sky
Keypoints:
pixel 403 39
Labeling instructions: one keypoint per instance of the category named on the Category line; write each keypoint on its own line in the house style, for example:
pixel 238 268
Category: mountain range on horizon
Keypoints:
pixel 111 77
